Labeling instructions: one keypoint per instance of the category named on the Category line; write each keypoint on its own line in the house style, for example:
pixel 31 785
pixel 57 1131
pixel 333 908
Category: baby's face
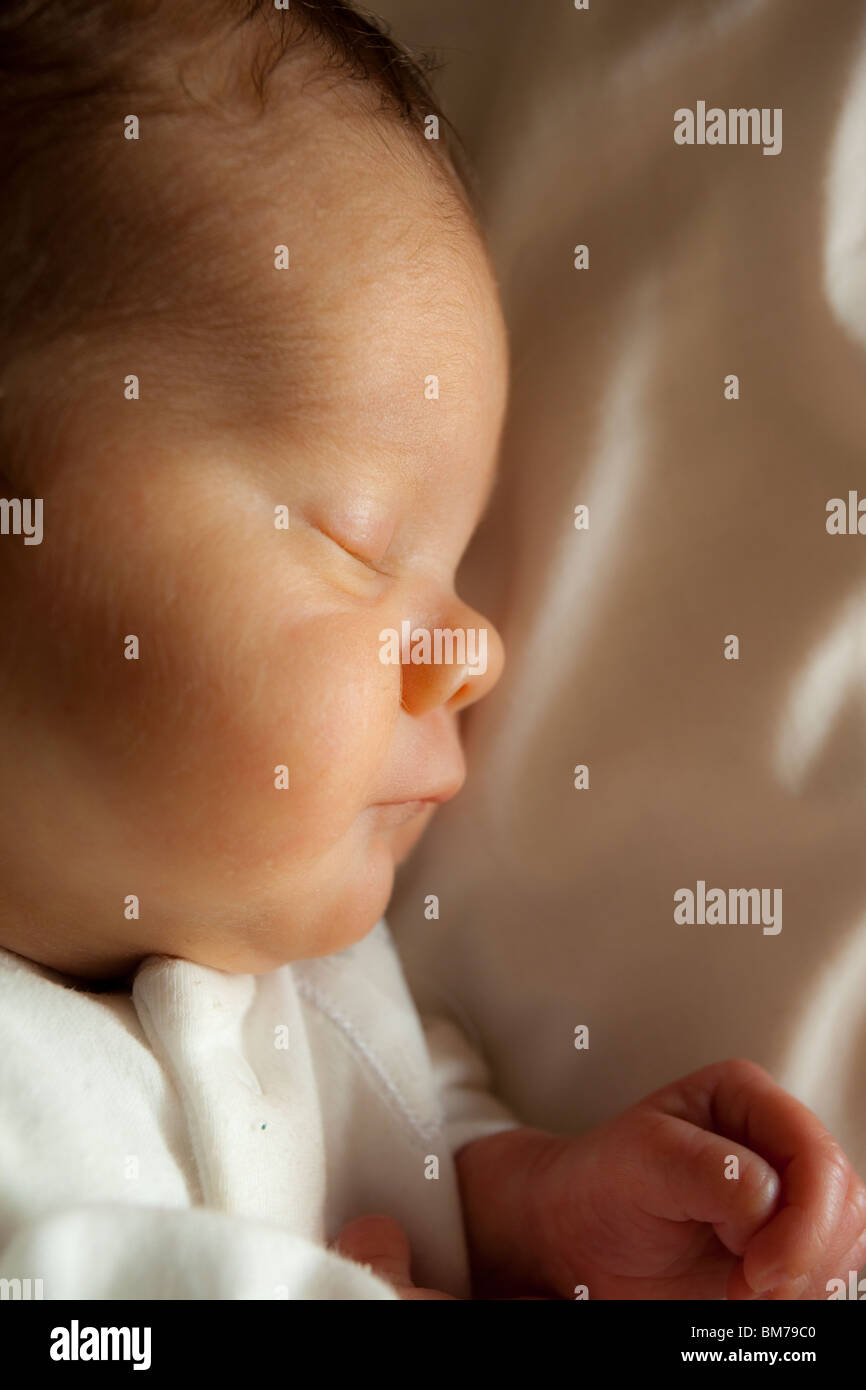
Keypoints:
pixel 258 646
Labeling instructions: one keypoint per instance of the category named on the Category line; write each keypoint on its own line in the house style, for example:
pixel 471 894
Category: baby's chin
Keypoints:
pixel 388 834
pixel 361 882
pixel 400 826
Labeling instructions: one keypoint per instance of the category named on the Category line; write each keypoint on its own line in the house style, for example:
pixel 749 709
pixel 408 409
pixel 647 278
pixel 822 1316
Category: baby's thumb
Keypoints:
pixel 381 1243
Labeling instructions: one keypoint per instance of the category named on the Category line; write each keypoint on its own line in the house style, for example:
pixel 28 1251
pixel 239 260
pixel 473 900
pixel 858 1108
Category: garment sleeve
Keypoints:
pixel 113 1251
pixel 471 1109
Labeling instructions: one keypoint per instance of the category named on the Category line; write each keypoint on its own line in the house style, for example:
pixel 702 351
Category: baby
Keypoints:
pixel 254 371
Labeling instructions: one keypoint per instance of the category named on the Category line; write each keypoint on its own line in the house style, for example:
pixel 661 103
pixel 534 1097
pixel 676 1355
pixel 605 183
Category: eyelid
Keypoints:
pixel 362 528
pixel 355 555
pixel 362 559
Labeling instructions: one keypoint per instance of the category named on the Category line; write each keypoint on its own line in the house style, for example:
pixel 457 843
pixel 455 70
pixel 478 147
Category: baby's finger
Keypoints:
pixel 381 1243
pixel 815 1225
pixel 844 1254
pixel 682 1173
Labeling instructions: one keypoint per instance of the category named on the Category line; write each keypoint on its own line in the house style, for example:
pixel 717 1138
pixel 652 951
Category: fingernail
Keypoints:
pixel 764 1283
pixel 775 1278
pixel 791 1288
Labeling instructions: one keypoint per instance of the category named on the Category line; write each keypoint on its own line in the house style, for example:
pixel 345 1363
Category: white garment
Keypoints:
pixel 204 1135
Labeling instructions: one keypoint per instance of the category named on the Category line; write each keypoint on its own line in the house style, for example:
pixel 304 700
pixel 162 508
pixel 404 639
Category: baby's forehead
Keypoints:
pixel 379 333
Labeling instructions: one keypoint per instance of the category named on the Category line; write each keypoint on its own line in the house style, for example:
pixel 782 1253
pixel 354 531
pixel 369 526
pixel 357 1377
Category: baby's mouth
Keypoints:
pixel 389 814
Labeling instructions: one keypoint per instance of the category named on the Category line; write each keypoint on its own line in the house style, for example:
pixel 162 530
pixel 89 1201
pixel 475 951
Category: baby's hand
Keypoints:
pixel 381 1243
pixel 653 1206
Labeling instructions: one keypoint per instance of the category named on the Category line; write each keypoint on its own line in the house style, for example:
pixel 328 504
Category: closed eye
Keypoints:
pixel 356 555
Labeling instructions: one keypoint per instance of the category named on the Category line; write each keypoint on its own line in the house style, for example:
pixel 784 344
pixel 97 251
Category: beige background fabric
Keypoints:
pixel 707 517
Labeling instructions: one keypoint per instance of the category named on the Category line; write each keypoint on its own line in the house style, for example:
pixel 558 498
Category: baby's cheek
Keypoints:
pixel 223 757
pixel 303 724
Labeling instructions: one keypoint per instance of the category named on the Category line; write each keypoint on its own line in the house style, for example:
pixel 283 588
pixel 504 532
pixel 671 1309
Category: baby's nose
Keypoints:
pixel 455 665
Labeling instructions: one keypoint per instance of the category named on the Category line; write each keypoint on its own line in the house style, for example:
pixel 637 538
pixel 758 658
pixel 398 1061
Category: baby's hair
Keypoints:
pixel 71 69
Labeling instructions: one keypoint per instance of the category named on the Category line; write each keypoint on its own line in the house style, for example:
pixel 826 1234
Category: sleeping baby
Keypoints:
pixel 254 370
